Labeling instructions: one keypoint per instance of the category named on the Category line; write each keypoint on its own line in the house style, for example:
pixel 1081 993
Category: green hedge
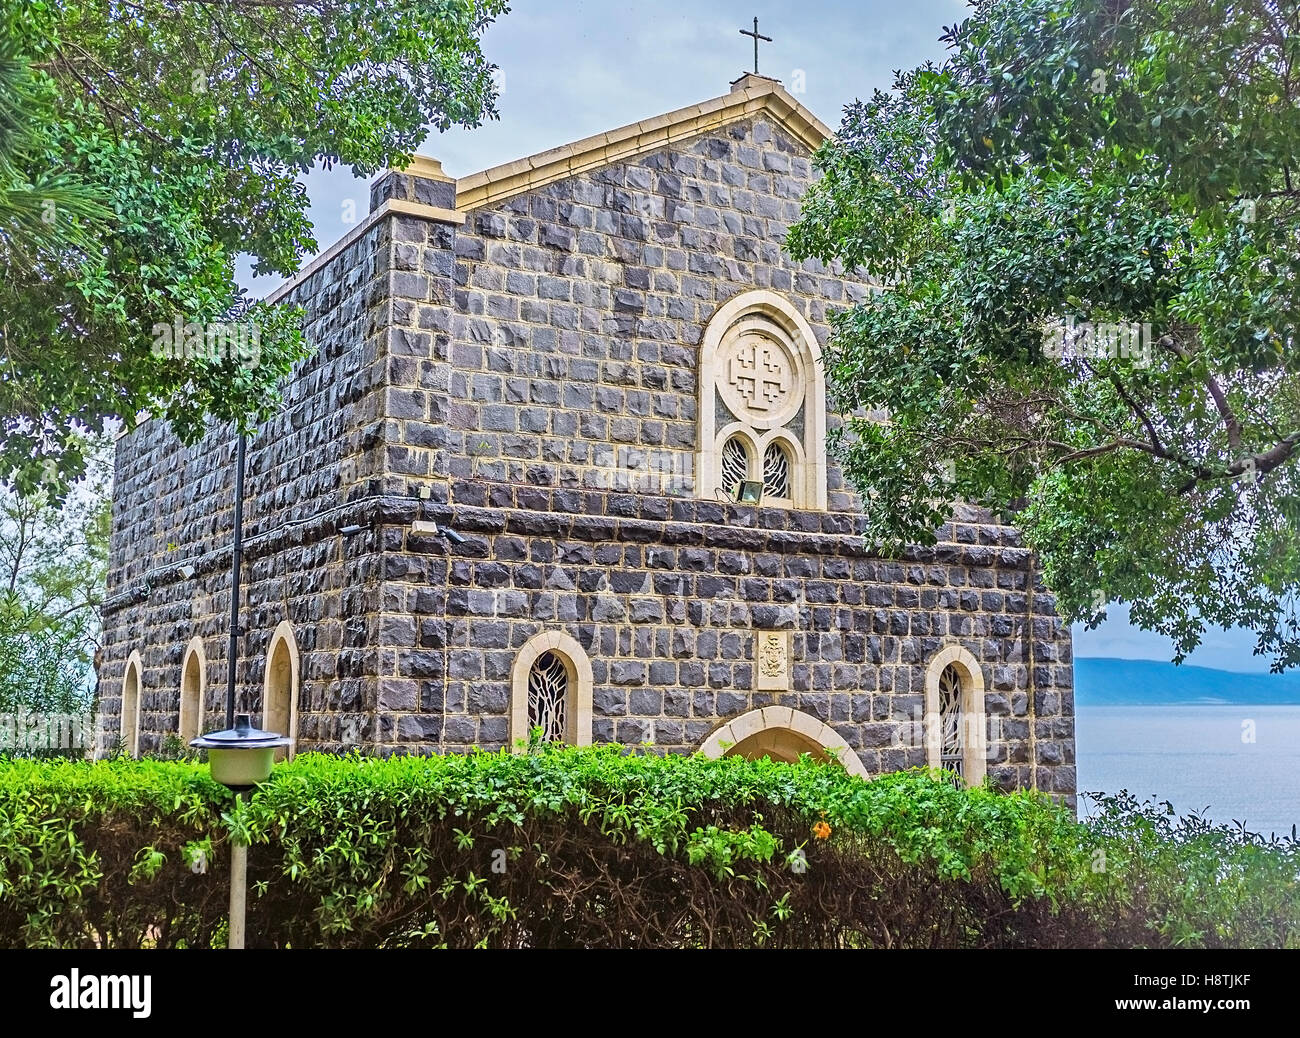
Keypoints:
pixel 597 847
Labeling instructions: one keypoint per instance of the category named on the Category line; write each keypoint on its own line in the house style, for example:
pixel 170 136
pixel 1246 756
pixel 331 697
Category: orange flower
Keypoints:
pixel 821 830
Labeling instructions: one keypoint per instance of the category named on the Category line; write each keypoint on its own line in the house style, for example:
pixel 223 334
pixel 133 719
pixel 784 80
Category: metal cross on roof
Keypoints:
pixel 757 36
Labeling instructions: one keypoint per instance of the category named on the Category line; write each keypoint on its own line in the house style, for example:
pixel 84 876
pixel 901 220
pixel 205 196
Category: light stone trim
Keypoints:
pixel 189 725
pixel 581 684
pixel 973 716
pixel 808 476
pixel 132 693
pixel 777 719
pixel 752 96
pixel 744 408
pixel 427 168
pixel 402 207
pixel 279 716
pixel 780 644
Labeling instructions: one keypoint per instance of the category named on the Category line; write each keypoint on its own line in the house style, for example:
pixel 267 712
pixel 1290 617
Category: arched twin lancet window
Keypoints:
pixel 739 464
pixel 762 413
pixel 551 688
pixel 955 724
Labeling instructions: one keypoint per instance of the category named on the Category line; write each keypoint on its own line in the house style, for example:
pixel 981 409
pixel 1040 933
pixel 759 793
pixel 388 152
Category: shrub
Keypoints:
pixel 595 847
pixel 1183 882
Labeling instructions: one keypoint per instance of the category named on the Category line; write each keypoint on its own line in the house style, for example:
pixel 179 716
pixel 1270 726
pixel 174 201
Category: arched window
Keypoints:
pixel 131 705
pixel 776 472
pixel 280 689
pixel 762 406
pixel 955 724
pixel 193 683
pixel 952 747
pixel 551 688
pixel 735 464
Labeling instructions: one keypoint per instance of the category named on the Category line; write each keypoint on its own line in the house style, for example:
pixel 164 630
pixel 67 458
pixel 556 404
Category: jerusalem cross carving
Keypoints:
pixel 759 373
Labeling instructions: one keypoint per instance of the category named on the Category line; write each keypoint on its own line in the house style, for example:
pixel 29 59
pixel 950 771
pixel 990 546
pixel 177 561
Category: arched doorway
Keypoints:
pixel 781 744
pixel 783 734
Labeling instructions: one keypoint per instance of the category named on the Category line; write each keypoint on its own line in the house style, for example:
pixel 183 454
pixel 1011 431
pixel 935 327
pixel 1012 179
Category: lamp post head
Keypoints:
pixel 242 756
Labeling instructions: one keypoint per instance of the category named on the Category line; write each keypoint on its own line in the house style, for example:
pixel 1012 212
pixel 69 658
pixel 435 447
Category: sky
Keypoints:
pixel 572 68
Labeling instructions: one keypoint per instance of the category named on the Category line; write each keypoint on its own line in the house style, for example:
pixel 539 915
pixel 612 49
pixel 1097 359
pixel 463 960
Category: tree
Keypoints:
pixel 30 211
pixel 1131 165
pixel 53 564
pixel 191 122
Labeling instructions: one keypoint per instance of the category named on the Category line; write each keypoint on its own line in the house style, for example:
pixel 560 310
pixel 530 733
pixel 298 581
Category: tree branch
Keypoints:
pixel 1230 423
pixel 1138 410
pixel 1256 464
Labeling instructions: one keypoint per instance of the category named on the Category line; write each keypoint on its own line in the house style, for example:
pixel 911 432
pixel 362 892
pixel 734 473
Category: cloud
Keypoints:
pixel 572 69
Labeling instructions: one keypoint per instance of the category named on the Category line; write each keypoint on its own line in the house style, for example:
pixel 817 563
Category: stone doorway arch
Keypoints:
pixel 781 733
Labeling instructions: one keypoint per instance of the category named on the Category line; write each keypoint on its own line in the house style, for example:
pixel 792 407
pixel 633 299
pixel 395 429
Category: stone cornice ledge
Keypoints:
pixel 569 526
pixel 681 523
pixel 369 512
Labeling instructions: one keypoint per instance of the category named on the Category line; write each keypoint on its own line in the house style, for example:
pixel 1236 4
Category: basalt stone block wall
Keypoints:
pixel 665 596
pixel 529 377
pixel 173 506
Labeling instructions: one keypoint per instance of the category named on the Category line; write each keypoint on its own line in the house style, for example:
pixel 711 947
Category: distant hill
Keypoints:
pixel 1100 681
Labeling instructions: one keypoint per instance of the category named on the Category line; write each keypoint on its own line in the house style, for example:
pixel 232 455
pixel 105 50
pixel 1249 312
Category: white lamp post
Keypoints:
pixel 240 758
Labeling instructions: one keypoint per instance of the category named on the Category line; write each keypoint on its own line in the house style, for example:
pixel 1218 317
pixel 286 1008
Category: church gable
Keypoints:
pixel 751 97
pixel 579 310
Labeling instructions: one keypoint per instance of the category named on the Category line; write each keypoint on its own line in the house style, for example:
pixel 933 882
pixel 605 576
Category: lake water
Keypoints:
pixel 1197 757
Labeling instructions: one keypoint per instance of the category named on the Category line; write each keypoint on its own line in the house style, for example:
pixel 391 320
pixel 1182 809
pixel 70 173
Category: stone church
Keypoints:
pixel 558 463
